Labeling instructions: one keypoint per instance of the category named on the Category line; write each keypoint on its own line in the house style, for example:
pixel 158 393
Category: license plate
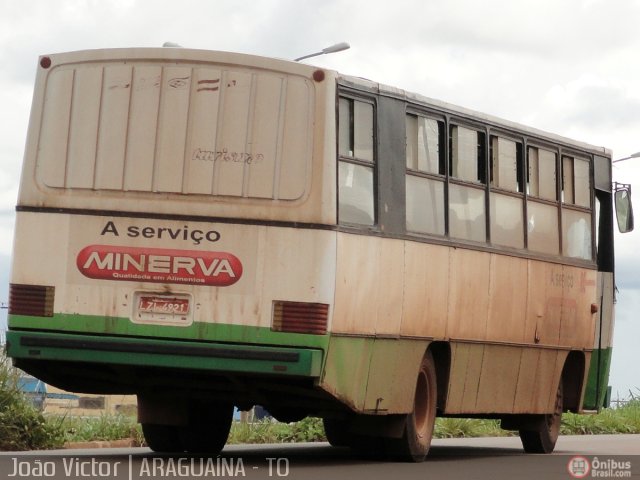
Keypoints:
pixel 162 309
pixel 171 306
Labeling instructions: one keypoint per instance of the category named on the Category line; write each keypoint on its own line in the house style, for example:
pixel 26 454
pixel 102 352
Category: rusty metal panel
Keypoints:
pixel 528 385
pixel 459 361
pixel 375 376
pixel 540 370
pixel 369 285
pixel 355 307
pixel 464 379
pixel 559 305
pixel 577 327
pixel 468 294
pixel 544 303
pixel 507 299
pixel 503 379
pixel 426 290
pixel 348 360
pixel 477 353
pixel 392 375
pixel 498 379
pixel 388 287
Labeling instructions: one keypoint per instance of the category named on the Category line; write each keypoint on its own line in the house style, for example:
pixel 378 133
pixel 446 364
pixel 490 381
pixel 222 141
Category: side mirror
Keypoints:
pixel 624 208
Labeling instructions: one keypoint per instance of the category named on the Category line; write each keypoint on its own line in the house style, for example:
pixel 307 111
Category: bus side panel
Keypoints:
pixel 373 375
pixel 489 379
pixel 598 368
pixel 369 285
pixel 511 321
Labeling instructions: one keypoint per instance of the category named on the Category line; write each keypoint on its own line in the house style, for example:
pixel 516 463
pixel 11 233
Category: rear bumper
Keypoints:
pixel 207 356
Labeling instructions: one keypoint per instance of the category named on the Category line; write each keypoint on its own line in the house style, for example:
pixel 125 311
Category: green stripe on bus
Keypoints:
pixel 590 400
pixel 208 356
pixel 219 332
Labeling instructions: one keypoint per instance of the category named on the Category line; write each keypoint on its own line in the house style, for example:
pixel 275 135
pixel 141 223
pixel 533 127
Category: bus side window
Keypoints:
pixel 576 186
pixel 506 197
pixel 541 175
pixel 542 210
pixel 356 193
pixel 576 220
pixel 467 216
pixel 425 164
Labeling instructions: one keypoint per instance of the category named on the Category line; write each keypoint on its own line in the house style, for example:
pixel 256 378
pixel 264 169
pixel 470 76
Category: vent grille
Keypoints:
pixel 34 300
pixel 300 317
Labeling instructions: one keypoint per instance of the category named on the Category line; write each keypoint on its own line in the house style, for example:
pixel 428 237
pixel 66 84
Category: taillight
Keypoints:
pixel 35 300
pixel 300 317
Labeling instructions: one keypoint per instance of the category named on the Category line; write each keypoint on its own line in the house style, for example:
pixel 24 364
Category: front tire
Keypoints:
pixel 542 435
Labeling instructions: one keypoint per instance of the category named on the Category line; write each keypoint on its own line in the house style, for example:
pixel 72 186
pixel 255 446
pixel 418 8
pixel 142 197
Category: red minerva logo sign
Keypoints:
pixel 159 265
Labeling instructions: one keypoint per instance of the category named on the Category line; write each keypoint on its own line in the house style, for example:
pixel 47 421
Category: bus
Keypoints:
pixel 210 230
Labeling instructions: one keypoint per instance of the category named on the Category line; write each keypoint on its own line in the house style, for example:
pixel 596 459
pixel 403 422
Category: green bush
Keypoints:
pixel 22 427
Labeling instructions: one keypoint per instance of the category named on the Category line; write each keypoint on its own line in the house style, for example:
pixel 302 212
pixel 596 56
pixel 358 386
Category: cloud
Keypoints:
pixel 595 103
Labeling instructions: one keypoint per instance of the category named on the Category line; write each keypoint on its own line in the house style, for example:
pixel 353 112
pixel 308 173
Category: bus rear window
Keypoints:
pixel 187 129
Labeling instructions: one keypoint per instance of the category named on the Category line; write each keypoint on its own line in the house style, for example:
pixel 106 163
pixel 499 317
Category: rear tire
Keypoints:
pixel 542 435
pixel 208 429
pixel 162 438
pixel 416 440
pixel 337 432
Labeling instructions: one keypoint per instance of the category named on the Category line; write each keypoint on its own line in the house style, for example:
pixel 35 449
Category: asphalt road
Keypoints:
pixel 602 456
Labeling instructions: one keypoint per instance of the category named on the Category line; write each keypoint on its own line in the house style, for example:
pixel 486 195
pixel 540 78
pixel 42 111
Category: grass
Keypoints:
pixel 468 427
pixel 104 427
pixel 265 431
pixel 625 419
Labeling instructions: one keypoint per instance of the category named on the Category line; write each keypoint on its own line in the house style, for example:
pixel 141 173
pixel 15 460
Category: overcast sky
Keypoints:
pixel 569 66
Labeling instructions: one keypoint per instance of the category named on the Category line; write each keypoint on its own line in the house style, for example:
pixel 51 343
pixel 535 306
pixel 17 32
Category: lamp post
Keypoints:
pixel 338 47
pixel 633 155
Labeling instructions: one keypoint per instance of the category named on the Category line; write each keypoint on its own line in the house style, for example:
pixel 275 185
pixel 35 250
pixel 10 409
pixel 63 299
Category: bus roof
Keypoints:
pixel 451 109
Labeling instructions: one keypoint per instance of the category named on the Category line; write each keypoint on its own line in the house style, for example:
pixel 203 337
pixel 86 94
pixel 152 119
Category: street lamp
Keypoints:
pixel 338 47
pixel 633 155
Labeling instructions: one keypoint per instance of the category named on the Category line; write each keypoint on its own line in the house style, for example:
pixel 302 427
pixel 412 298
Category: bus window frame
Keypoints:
pixel 521 182
pixel 571 206
pixel 480 184
pixel 443 164
pixel 488 129
pixel 356 96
